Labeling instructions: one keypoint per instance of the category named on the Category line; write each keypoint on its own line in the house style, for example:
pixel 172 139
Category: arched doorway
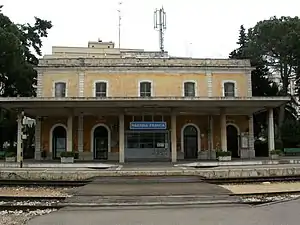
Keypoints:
pixel 100 142
pixel 190 142
pixel 233 140
pixel 59 141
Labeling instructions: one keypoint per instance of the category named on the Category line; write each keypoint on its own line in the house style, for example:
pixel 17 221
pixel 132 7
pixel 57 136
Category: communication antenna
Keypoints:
pixel 160 24
pixel 120 17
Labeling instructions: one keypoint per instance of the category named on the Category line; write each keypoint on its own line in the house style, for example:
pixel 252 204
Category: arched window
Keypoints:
pixel 100 89
pixel 189 89
pixel 60 89
pixel 145 89
pixel 229 89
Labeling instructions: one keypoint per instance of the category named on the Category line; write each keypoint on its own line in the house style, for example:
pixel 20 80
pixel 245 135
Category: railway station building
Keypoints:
pixel 111 104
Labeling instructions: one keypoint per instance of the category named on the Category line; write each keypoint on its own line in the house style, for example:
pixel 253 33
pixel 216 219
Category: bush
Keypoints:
pixel 222 153
pixel 67 154
pixel 276 152
pixel 10 154
pixel 290 133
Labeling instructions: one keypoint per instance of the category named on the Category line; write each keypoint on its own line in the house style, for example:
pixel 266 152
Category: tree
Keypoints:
pixel 20 45
pixel 290 133
pixel 17 61
pixel 277 42
pixel 261 85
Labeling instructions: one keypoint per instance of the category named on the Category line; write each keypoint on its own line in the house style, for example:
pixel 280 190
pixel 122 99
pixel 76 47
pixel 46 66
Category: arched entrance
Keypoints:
pixel 59 141
pixel 233 140
pixel 190 142
pixel 100 142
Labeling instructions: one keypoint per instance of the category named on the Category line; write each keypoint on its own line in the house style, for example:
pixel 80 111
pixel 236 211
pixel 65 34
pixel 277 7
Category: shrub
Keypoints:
pixel 222 153
pixel 67 154
pixel 10 154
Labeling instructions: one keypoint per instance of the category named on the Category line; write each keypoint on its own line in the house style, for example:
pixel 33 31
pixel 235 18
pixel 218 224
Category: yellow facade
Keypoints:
pixel 70 78
pixel 127 84
pixel 241 122
pixel 122 81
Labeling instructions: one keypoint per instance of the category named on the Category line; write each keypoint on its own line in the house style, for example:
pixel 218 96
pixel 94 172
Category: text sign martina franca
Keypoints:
pixel 148 125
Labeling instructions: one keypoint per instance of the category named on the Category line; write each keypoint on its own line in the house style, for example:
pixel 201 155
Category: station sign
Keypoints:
pixel 148 125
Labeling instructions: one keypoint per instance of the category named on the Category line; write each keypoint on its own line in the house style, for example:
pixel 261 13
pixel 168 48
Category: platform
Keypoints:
pixel 75 174
pixel 190 164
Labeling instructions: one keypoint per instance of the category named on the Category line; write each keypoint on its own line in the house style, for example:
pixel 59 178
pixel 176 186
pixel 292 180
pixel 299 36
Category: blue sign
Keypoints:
pixel 148 125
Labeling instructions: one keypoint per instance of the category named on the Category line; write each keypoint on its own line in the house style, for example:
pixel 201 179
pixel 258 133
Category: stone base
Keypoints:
pixel 37 155
pixel 10 159
pixel 247 154
pixel 67 159
pixel 224 158
pixel 274 156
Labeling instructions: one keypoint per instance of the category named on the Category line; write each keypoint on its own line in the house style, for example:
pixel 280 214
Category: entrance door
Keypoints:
pixel 190 142
pixel 100 143
pixel 59 141
pixel 232 140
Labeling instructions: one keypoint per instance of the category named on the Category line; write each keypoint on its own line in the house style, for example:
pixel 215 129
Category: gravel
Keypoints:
pixel 270 198
pixel 35 191
pixel 20 217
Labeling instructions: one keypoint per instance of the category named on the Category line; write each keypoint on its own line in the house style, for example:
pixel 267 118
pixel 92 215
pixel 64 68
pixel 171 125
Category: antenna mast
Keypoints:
pixel 160 24
pixel 120 17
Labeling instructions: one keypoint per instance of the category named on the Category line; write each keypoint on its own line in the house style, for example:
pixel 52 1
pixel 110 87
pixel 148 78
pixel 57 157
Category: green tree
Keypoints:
pixel 261 85
pixel 277 42
pixel 20 45
pixel 290 130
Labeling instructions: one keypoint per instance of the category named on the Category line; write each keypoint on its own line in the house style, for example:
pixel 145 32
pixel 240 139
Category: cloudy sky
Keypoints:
pixel 195 28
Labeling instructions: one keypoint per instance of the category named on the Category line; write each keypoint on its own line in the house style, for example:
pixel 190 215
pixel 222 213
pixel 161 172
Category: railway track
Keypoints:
pixel 27 203
pixel 246 180
pixel 159 179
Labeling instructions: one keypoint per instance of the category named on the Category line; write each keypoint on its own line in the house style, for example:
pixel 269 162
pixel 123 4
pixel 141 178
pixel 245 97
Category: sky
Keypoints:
pixel 195 28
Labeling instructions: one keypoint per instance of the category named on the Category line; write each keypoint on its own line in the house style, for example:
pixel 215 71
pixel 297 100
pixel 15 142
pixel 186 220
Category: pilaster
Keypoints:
pixel 249 84
pixel 39 89
pixel 81 84
pixel 271 136
pixel 223 130
pixel 121 139
pixel 37 138
pixel 80 133
pixel 70 134
pixel 19 138
pixel 173 138
pixel 209 83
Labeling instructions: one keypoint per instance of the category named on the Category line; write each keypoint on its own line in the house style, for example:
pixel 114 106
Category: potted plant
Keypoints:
pixel 67 157
pixel 224 156
pixel 275 154
pixel 10 156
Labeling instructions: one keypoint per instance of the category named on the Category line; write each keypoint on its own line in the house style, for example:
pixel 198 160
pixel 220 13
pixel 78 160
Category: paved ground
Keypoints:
pixel 141 187
pixel 286 213
pixel 116 190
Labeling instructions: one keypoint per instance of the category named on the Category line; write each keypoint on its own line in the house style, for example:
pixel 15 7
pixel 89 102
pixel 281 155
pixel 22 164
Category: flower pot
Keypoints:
pixel 224 158
pixel 67 159
pixel 10 159
pixel 274 156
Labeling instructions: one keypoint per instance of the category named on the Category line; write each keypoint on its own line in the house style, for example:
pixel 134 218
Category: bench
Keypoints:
pixel 291 151
pixel 2 154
